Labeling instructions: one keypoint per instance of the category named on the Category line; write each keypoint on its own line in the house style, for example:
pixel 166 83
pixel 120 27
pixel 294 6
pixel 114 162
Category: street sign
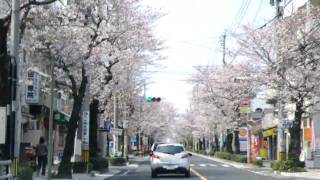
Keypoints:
pixel 33 88
pixel 125 124
pixel 245 110
pixel 85 130
pixel 286 124
pixel 116 131
pixel 107 126
pixel 3 126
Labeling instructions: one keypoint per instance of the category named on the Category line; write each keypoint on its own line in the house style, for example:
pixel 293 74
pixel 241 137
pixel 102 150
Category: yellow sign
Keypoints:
pixel 266 144
pixel 307 134
pixel 243 132
pixel 85 155
pixel 269 132
pixel 244 110
pixel 263 153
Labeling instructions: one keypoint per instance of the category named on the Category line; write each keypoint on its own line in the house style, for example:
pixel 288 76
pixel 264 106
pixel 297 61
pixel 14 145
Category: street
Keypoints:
pixel 201 169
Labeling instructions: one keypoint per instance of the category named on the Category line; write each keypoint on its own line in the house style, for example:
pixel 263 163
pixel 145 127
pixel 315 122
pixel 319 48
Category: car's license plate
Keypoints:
pixel 171 167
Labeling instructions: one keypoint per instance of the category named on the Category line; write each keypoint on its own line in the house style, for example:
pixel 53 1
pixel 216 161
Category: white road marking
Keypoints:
pixel 202 165
pixel 212 165
pixel 225 165
pixel 133 165
pixel 192 165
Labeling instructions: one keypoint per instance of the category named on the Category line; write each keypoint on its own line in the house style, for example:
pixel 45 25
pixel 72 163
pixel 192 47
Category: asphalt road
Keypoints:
pixel 201 168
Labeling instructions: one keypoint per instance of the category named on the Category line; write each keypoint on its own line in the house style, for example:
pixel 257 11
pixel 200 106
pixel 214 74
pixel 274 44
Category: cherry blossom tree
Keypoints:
pixel 85 40
pixel 218 92
pixel 288 60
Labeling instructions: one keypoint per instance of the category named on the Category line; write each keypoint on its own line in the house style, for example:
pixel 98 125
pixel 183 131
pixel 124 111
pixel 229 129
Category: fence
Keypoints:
pixel 5 170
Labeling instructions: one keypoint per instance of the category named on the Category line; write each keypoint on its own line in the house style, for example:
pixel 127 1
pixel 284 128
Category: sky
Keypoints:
pixel 192 31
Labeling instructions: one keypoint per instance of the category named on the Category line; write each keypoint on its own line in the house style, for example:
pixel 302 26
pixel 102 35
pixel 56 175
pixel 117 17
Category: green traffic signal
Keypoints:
pixel 153 99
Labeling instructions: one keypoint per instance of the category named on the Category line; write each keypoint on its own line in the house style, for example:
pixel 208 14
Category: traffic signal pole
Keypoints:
pixel 115 140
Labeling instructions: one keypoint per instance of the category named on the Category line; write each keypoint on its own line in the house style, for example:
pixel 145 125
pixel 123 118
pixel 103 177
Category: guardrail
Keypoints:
pixel 5 170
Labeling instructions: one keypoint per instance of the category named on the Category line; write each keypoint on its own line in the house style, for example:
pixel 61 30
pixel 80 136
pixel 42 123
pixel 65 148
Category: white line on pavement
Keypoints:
pixel 225 165
pixel 192 165
pixel 202 165
pixel 212 165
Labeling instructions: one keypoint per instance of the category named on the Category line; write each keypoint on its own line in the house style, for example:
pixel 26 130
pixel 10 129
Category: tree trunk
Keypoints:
pixel 217 144
pixel 236 142
pixel 229 142
pixel 93 132
pixel 4 83
pixel 65 165
pixel 295 132
pixel 4 63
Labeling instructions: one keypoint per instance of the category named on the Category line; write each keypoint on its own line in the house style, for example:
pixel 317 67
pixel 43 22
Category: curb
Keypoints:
pixel 295 174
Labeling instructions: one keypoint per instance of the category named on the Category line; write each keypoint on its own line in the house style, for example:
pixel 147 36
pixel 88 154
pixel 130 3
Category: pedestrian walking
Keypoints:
pixel 42 152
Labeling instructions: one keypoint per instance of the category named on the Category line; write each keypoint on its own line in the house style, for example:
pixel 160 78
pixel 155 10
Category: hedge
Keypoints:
pixel 81 167
pixel 232 157
pixel 117 161
pixel 288 166
pixel 99 164
pixel 25 173
pixel 258 163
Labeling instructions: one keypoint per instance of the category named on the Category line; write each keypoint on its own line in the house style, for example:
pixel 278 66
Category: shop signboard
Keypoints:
pixel 33 88
pixel 116 131
pixel 243 138
pixel 243 133
pixel 243 146
pixel 307 134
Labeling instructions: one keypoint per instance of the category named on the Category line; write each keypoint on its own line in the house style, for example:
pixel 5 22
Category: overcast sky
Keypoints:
pixel 192 29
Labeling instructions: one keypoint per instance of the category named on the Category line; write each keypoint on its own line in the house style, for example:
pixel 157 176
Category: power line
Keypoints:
pixel 237 15
pixel 257 12
pixel 276 17
pixel 240 16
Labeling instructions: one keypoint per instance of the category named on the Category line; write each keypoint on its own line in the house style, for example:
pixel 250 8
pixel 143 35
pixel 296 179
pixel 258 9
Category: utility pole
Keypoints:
pixel 85 124
pixel 281 135
pixel 15 123
pixel 50 143
pixel 223 44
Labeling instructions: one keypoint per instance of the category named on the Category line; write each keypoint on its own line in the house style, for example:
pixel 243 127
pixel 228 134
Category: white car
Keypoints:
pixel 170 158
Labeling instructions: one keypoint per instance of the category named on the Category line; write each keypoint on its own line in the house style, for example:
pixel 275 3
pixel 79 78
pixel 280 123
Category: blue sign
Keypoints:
pixel 133 139
pixel 107 126
pixel 286 124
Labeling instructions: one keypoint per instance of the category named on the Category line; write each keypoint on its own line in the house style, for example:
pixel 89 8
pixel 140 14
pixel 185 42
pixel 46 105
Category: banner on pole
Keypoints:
pixel 3 122
pixel 85 130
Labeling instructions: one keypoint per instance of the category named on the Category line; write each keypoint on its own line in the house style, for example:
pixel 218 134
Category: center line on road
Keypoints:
pixel 198 174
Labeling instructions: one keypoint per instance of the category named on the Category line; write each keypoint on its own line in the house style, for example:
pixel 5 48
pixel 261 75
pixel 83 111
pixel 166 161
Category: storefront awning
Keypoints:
pixel 61 117
pixel 269 132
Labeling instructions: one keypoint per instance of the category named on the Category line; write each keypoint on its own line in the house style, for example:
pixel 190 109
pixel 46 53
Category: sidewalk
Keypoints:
pixel 82 176
pixel 266 170
pixel 112 171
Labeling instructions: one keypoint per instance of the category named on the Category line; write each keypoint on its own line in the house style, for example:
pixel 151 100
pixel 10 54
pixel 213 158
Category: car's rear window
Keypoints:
pixel 170 149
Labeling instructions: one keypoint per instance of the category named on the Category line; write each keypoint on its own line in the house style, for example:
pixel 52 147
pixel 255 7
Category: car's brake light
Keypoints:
pixel 185 156
pixel 155 156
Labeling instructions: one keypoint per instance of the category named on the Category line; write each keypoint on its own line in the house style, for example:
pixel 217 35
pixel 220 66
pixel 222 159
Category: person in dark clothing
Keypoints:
pixel 41 151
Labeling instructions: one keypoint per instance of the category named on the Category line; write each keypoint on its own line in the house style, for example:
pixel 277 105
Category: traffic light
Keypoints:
pixel 153 99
